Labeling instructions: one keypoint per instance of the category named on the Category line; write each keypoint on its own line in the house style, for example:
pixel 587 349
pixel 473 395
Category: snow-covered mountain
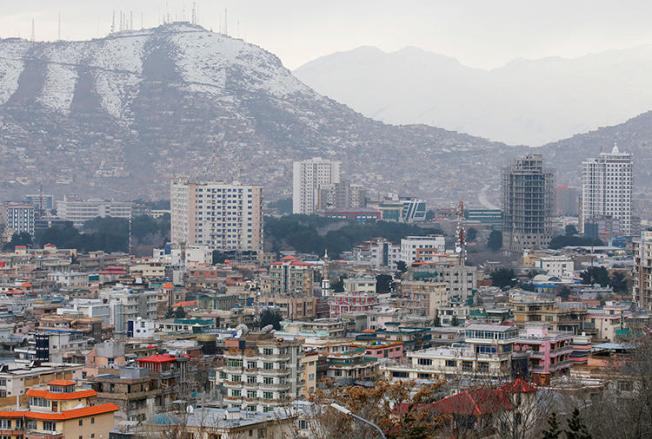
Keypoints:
pixel 526 101
pixel 117 117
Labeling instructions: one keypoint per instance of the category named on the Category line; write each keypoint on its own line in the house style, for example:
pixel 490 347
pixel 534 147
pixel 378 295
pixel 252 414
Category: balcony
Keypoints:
pixel 35 434
pixel 282 372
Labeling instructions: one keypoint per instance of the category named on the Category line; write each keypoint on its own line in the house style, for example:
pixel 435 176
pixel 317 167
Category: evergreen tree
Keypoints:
pixel 576 428
pixel 179 313
pixel 553 431
pixel 271 317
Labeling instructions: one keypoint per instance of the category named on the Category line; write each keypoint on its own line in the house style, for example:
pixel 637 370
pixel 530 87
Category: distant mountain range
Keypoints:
pixel 528 102
pixel 118 117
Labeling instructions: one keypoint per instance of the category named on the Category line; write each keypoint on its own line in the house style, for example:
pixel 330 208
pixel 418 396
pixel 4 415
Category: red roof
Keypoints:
pixel 160 358
pixel 62 416
pixel 58 396
pixel 481 401
pixel 185 304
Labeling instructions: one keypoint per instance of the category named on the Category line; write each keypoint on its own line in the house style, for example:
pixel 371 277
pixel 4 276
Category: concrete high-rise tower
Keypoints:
pixel 528 203
pixel 607 190
pixel 307 178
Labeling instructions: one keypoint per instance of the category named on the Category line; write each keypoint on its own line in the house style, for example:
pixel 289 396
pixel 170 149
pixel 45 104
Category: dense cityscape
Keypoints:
pixel 298 220
pixel 450 322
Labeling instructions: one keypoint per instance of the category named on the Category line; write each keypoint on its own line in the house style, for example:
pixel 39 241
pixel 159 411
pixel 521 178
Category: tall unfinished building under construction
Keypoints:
pixel 528 204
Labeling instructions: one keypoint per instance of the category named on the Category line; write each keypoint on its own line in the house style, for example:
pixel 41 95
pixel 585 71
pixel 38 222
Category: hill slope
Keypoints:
pixel 118 117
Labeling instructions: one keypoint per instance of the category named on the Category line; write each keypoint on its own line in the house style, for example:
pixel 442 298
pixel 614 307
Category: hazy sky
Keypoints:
pixel 482 33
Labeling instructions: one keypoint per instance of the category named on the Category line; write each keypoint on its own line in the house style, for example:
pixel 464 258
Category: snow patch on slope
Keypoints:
pixel 206 60
pixel 11 66
pixel 119 67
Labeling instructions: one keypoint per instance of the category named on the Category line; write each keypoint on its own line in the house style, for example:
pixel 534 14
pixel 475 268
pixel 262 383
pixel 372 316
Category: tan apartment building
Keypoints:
pixel 217 215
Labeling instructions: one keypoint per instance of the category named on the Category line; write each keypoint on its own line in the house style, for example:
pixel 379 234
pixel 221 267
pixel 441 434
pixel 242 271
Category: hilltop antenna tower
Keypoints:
pixel 194 13
pixel 33 31
pixel 226 22
pixel 113 22
pixel 59 27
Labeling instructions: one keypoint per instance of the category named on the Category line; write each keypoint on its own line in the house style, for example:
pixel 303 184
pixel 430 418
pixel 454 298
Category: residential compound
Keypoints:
pixel 607 190
pixel 216 215
pixel 309 177
pixel 528 204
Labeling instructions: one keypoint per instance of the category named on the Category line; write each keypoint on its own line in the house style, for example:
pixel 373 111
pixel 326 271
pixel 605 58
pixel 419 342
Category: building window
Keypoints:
pixel 451 363
pixel 49 426
pixel 268 395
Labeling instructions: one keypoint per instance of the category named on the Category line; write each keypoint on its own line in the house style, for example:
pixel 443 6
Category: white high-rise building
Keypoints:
pixel 412 245
pixel 307 177
pixel 217 215
pixel 607 189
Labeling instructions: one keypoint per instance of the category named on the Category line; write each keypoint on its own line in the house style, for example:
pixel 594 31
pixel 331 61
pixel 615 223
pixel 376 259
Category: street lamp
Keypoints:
pixel 348 412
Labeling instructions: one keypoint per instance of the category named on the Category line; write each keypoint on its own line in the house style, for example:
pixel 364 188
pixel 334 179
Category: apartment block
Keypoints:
pixel 261 372
pixel 217 215
pixel 642 290
pixel 19 217
pixel 308 178
pixel 411 245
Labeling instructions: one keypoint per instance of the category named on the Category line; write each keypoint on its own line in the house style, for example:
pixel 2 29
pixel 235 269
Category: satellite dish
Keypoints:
pixel 190 410
pixel 458 249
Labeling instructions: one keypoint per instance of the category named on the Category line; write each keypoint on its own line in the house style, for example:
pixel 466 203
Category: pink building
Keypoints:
pixel 392 350
pixel 549 352
pixel 353 302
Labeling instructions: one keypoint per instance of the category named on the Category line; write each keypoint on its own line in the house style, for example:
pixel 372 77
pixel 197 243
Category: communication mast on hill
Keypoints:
pixel 460 244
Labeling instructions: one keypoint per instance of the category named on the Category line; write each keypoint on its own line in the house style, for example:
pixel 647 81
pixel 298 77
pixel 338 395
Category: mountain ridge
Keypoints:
pixel 523 101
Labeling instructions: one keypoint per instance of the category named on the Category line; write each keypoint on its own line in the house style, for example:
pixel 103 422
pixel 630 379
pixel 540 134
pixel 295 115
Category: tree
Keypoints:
pixel 179 313
pixel 384 283
pixel 22 238
pixel 561 241
pixel 553 431
pixel 471 234
pixel 595 275
pixel 503 277
pixel 618 282
pixel 169 313
pixel 401 267
pixel 399 411
pixel 576 428
pixel 571 230
pixel 271 317
pixel 495 241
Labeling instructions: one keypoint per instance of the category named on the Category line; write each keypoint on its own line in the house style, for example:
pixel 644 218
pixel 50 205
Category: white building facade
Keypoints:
pixel 307 178
pixel 80 211
pixel 607 189
pixel 19 217
pixel 410 245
